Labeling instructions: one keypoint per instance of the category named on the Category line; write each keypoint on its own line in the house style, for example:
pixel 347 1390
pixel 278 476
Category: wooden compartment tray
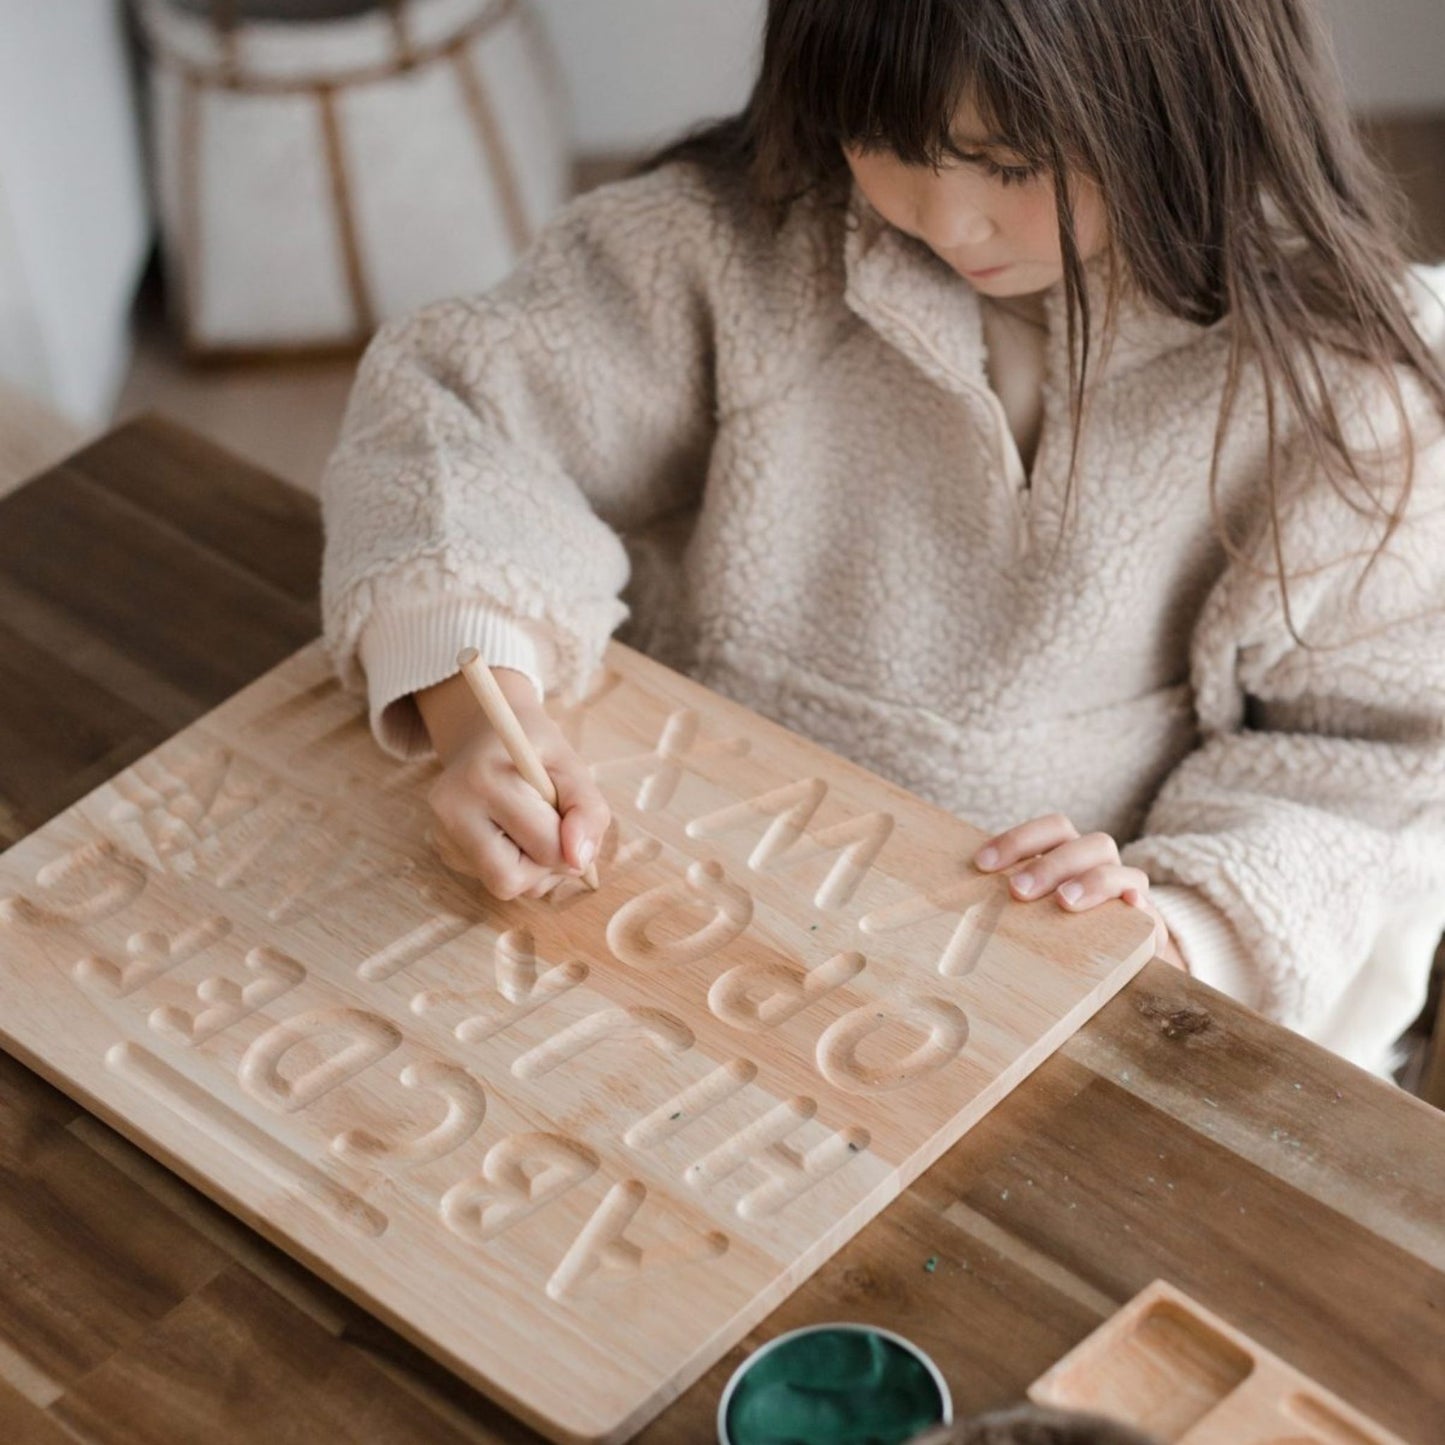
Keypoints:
pixel 1171 1368
pixel 575 1148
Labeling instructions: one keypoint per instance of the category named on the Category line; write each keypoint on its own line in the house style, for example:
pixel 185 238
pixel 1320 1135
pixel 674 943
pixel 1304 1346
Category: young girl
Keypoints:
pixel 1025 400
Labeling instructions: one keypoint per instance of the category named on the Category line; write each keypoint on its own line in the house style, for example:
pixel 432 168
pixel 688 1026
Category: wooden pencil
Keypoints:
pixel 519 748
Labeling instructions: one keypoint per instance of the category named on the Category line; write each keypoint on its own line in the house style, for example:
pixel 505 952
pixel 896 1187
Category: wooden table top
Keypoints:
pixel 1176 1135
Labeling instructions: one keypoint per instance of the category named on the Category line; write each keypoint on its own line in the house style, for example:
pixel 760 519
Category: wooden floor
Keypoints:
pixel 32 437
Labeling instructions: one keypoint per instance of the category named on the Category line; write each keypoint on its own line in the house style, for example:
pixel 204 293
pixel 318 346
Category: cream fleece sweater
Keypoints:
pixel 775 462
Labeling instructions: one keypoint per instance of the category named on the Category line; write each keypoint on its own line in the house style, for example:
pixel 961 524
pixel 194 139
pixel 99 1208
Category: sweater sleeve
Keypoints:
pixel 1313 811
pixel 497 449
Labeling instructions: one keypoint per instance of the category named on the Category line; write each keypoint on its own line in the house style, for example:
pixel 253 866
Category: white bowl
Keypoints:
pixel 945 1400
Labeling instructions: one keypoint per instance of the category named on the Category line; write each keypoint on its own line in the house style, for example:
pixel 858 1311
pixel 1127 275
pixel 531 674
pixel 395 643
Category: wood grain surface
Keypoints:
pixel 1175 1135
pixel 1168 1366
pixel 625 1122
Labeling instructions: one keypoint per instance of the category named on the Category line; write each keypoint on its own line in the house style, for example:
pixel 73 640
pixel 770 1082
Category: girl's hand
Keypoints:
pixel 491 823
pixel 1080 872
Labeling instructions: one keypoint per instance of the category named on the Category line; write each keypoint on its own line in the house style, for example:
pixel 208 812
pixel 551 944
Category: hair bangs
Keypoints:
pixel 888 76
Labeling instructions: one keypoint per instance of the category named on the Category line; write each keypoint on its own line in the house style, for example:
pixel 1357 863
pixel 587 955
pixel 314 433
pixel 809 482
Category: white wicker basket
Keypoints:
pixel 317 177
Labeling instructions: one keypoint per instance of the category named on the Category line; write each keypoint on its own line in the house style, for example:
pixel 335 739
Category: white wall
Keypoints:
pixel 1392 52
pixel 643 69
pixel 73 222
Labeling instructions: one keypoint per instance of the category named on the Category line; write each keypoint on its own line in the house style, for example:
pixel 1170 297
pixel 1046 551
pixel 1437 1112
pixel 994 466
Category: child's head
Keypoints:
pixel 984 208
pixel 1184 130
pixel 1204 147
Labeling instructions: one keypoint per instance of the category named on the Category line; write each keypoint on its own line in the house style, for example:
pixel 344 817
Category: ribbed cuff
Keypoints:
pixel 402 652
pixel 1207 939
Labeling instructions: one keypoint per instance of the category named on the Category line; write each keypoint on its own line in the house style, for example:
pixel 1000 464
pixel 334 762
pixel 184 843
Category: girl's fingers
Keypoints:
pixel 1042 875
pixel 506 871
pixel 532 823
pixel 1097 885
pixel 584 811
pixel 507 834
pixel 469 842
pixel 1038 835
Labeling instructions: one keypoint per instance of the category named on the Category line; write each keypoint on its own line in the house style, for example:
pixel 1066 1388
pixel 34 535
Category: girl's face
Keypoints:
pixel 989 217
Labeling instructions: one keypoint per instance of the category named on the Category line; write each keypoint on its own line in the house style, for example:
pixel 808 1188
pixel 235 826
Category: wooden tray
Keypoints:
pixel 574 1148
pixel 1168 1366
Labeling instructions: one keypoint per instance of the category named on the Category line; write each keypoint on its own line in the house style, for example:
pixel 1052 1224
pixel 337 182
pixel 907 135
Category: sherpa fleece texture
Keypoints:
pixel 773 460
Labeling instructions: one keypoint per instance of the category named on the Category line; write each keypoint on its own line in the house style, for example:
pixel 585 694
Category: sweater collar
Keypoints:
pixel 932 315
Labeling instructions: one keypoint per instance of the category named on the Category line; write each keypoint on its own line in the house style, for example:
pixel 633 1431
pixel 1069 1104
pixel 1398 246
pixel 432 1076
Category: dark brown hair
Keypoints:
pixel 1232 177
pixel 1035 1425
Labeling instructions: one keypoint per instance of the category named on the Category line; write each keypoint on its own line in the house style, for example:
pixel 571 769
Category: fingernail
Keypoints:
pixel 1071 892
pixel 586 851
pixel 1023 882
pixel 987 857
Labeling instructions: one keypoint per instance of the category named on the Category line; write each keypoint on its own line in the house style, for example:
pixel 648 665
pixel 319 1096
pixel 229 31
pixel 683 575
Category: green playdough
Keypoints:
pixel 834 1387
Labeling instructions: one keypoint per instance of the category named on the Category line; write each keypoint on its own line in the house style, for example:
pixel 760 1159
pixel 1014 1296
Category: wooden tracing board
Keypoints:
pixel 575 1148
